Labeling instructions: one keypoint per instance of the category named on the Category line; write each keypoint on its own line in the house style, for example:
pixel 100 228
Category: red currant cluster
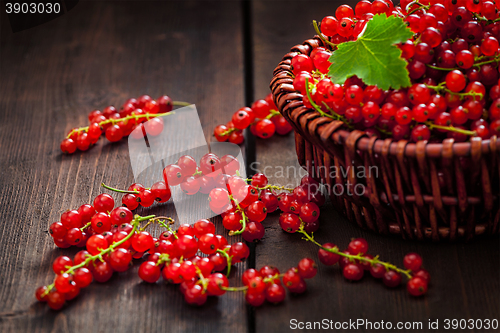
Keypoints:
pixel 265 284
pixel 355 260
pixel 192 178
pixel 452 60
pixel 263 118
pixel 174 256
pixel 77 225
pixel 119 124
pixel 105 253
pixel 244 206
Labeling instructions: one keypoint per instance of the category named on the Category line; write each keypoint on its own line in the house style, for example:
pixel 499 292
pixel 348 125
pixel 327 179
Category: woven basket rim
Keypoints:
pixel 364 143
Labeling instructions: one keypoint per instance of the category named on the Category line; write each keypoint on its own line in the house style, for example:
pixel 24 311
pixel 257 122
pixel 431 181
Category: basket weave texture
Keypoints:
pixel 437 191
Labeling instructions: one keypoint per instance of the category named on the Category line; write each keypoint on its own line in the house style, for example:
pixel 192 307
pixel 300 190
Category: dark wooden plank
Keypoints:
pixel 464 276
pixel 52 76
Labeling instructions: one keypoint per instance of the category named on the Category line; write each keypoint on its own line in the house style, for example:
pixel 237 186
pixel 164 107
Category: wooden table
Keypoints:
pixel 219 55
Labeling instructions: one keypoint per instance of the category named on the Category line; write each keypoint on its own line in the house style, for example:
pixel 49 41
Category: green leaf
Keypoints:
pixel 373 57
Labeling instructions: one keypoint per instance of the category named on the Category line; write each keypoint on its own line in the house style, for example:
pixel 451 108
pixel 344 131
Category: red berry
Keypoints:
pixel 420 133
pixel 344 11
pixel 130 201
pixel 329 26
pixel 56 300
pixel 289 222
pixel 358 245
pixel 254 231
pixel 292 278
pixel 114 133
pixel 208 243
pixel 61 264
pixel 412 261
pixel 270 200
pixel 187 245
pixel 57 230
pixel 149 271
pixel 102 271
pixel 142 241
pixel 255 299
pixel 220 133
pixel 353 272
pixel 309 212
pixel 256 211
pixel 241 119
pixel 275 293
pixel 73 236
pixel 71 219
pixel 239 251
pixel 265 128
pixel 489 46
pixel 300 62
pixel 172 175
pixel 267 271
pixel 101 222
pixel 307 268
pixel 392 279
pixel 96 243
pixel 64 282
pixel 416 286
pixel 120 259
pixel 422 273
pixel 455 81
pixel 41 294
pixel 326 257
pixel 68 146
pixel 104 203
pixel 195 295
pixel 216 284
pixel 377 271
pixel 82 277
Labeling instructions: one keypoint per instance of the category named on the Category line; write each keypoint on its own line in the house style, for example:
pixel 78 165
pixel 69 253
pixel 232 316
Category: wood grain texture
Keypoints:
pixel 52 76
pixel 464 276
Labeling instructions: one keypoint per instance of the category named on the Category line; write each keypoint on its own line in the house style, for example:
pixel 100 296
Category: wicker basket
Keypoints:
pixel 409 194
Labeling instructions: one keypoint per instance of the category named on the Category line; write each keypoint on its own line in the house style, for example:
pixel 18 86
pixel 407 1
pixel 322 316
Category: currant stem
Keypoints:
pixel 199 172
pixel 164 258
pixel 243 221
pixel 86 226
pixel 275 187
pixel 114 121
pixel 135 223
pixel 482 18
pixel 440 87
pixel 228 259
pixel 496 60
pixel 166 226
pixel 229 131
pixel 321 36
pixel 314 105
pixel 450 129
pixel 242 288
pixel 203 281
pixel 441 68
pixel 179 103
pixel 272 114
pixel 118 190
pixel 341 118
pixel 416 9
pixel 359 256
pixel 479 64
